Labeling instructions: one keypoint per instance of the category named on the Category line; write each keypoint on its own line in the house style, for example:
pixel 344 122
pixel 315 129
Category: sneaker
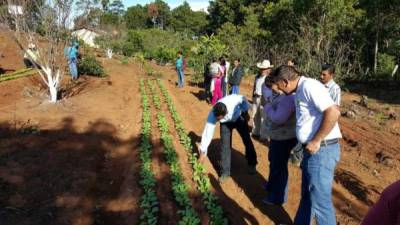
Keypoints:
pixel 252 170
pixel 223 178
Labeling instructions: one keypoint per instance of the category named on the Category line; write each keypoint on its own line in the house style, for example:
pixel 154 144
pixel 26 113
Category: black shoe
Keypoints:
pixel 223 178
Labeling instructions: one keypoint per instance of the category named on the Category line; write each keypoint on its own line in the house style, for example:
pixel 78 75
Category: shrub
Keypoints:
pixel 386 64
pixel 89 65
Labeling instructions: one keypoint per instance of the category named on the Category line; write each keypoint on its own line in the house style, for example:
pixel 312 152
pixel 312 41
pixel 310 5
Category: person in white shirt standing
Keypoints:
pixel 318 130
pixel 326 77
pixel 257 108
pixel 232 113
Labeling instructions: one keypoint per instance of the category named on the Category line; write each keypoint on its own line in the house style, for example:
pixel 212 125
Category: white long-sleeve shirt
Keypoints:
pixel 235 105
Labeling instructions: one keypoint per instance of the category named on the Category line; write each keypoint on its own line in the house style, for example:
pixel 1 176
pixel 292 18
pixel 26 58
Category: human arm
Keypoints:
pixel 281 113
pixel 208 133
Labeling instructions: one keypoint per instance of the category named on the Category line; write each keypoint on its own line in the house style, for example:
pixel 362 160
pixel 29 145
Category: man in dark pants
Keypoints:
pixel 236 78
pixel 232 112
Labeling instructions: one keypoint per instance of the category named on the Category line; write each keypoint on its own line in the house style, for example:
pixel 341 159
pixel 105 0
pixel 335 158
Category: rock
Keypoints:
pixel 392 115
pixel 384 159
pixel 364 101
pixel 350 114
pixel 371 113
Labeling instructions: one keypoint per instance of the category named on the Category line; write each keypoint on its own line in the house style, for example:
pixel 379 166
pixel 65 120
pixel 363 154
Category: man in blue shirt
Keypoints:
pixel 232 112
pixel 72 55
pixel 179 70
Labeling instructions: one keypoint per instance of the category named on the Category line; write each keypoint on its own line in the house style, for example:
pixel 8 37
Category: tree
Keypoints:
pixel 105 4
pixel 54 17
pixel 185 19
pixel 136 17
pixel 159 13
pixel 116 7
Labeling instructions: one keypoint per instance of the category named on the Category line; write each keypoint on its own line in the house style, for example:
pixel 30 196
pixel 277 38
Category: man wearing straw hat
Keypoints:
pixel 265 68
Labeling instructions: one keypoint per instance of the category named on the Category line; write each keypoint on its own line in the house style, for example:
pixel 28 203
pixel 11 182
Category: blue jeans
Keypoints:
pixel 278 156
pixel 316 187
pixel 73 68
pixel 235 89
pixel 181 77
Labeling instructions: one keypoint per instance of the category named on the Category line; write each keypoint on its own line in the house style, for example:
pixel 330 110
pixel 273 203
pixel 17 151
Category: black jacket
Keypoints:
pixel 237 75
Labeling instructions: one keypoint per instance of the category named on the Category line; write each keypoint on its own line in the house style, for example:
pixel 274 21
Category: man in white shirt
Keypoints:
pixel 317 128
pixel 326 77
pixel 232 113
pixel 257 109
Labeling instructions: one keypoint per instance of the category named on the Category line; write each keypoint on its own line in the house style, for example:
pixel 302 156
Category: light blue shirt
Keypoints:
pixel 179 63
pixel 235 105
pixel 334 91
pixel 312 99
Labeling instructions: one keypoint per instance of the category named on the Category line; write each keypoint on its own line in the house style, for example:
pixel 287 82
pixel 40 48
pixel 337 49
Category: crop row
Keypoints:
pixel 199 174
pixel 179 187
pixel 149 201
pixel 156 98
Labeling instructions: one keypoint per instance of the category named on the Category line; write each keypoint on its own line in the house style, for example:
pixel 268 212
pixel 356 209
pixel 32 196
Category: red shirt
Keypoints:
pixel 387 210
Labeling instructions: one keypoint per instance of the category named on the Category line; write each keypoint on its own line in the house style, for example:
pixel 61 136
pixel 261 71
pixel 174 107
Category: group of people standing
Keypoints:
pixel 290 111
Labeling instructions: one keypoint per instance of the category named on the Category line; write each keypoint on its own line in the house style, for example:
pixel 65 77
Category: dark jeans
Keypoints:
pixel 278 156
pixel 207 85
pixel 224 87
pixel 226 136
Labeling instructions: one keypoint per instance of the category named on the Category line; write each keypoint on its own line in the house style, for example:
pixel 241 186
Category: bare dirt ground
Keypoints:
pixel 76 162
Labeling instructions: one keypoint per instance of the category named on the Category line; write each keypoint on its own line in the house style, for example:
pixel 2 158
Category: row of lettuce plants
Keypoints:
pixel 188 215
pixel 199 174
pixel 149 201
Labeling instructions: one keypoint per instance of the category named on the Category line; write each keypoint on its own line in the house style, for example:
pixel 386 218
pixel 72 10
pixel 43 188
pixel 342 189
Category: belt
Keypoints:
pixel 256 95
pixel 325 143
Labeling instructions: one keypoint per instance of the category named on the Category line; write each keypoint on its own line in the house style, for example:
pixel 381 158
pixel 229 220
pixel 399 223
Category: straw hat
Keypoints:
pixel 266 64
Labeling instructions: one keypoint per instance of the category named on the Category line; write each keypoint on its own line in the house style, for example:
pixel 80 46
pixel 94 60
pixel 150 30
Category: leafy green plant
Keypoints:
pixel 198 172
pixel 179 187
pixel 149 201
pixel 89 65
pixel 206 49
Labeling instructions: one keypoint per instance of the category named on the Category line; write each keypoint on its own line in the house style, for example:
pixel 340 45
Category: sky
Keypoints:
pixel 194 4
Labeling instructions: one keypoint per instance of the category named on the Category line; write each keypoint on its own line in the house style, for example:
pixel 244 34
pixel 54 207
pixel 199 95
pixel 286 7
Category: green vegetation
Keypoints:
pixel 149 201
pixel 199 174
pixel 89 65
pixel 17 74
pixel 360 37
pixel 179 187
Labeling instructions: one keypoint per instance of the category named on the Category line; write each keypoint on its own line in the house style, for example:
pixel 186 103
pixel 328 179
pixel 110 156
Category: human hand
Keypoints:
pixel 202 157
pixel 313 146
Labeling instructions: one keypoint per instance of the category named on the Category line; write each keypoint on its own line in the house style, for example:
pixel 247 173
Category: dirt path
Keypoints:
pixel 73 162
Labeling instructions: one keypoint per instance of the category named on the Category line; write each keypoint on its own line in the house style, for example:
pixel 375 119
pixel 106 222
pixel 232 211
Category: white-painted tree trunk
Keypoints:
pixel 52 80
pixel 395 70
pixel 109 53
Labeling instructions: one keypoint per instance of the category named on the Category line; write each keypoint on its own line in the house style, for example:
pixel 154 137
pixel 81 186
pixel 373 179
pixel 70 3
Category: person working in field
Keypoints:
pixel 232 113
pixel 236 77
pixel 180 70
pixel 72 53
pixel 387 210
pixel 31 57
pixel 281 128
pixel 326 77
pixel 318 130
pixel 257 110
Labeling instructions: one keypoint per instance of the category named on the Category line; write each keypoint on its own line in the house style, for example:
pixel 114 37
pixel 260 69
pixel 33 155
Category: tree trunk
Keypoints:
pixel 53 93
pixel 395 70
pixel 376 52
